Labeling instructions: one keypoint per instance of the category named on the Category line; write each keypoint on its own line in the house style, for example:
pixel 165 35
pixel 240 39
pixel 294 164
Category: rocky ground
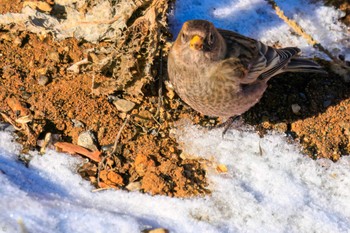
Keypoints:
pixel 39 95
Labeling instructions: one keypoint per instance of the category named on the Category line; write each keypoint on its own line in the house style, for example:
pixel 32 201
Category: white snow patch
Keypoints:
pixel 269 187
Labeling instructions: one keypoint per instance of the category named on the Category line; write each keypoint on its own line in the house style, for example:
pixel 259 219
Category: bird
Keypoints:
pixel 221 73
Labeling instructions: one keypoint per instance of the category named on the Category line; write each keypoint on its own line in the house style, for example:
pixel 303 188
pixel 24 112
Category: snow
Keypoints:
pixel 270 185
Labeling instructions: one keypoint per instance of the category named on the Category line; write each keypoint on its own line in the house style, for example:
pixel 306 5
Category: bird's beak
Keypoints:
pixel 196 43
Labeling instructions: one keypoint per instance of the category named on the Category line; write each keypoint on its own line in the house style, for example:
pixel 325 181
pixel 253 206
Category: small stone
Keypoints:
pixel 296 108
pixel 87 140
pixel 106 148
pixel 123 105
pixel 212 121
pixel 144 115
pixel 26 95
pixel 43 80
pixel 122 115
pixel 78 124
pixel 133 186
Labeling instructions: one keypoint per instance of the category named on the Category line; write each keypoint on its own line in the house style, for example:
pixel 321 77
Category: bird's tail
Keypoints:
pixel 298 64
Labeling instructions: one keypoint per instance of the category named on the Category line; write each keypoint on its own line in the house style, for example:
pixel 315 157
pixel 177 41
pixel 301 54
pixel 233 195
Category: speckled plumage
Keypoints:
pixel 221 73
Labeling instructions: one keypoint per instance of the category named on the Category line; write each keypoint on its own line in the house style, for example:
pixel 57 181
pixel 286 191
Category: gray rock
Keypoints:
pixel 87 140
pixel 43 80
pixel 296 108
pixel 77 123
pixel 123 105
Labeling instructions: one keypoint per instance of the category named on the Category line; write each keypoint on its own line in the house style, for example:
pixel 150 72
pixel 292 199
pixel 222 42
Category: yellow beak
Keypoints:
pixel 196 43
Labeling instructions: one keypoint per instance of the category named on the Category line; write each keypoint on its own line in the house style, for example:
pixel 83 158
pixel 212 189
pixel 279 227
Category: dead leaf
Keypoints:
pixel 75 149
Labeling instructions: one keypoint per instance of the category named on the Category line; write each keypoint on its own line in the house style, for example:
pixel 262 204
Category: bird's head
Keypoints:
pixel 199 40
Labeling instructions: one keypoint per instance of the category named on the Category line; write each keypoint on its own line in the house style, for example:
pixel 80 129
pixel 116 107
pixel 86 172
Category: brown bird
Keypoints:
pixel 223 74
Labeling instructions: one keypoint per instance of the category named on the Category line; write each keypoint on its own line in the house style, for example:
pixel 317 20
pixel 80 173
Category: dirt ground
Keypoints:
pixel 34 81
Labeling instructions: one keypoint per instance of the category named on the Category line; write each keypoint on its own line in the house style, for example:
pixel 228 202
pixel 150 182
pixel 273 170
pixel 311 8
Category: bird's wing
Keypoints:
pixel 276 59
pixel 261 61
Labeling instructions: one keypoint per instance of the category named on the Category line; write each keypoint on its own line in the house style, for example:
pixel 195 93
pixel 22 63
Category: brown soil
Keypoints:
pixel 14 6
pixel 147 157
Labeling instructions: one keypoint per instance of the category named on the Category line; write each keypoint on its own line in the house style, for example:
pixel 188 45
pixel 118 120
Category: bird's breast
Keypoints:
pixel 199 90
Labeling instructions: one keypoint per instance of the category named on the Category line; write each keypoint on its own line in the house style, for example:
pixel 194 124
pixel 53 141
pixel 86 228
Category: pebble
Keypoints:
pixel 43 80
pixel 87 140
pixel 134 186
pixel 106 148
pixel 123 105
pixel 26 95
pixel 296 108
pixel 78 124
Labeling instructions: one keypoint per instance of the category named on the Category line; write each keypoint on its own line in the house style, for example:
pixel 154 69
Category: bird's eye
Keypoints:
pixel 211 38
pixel 183 37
